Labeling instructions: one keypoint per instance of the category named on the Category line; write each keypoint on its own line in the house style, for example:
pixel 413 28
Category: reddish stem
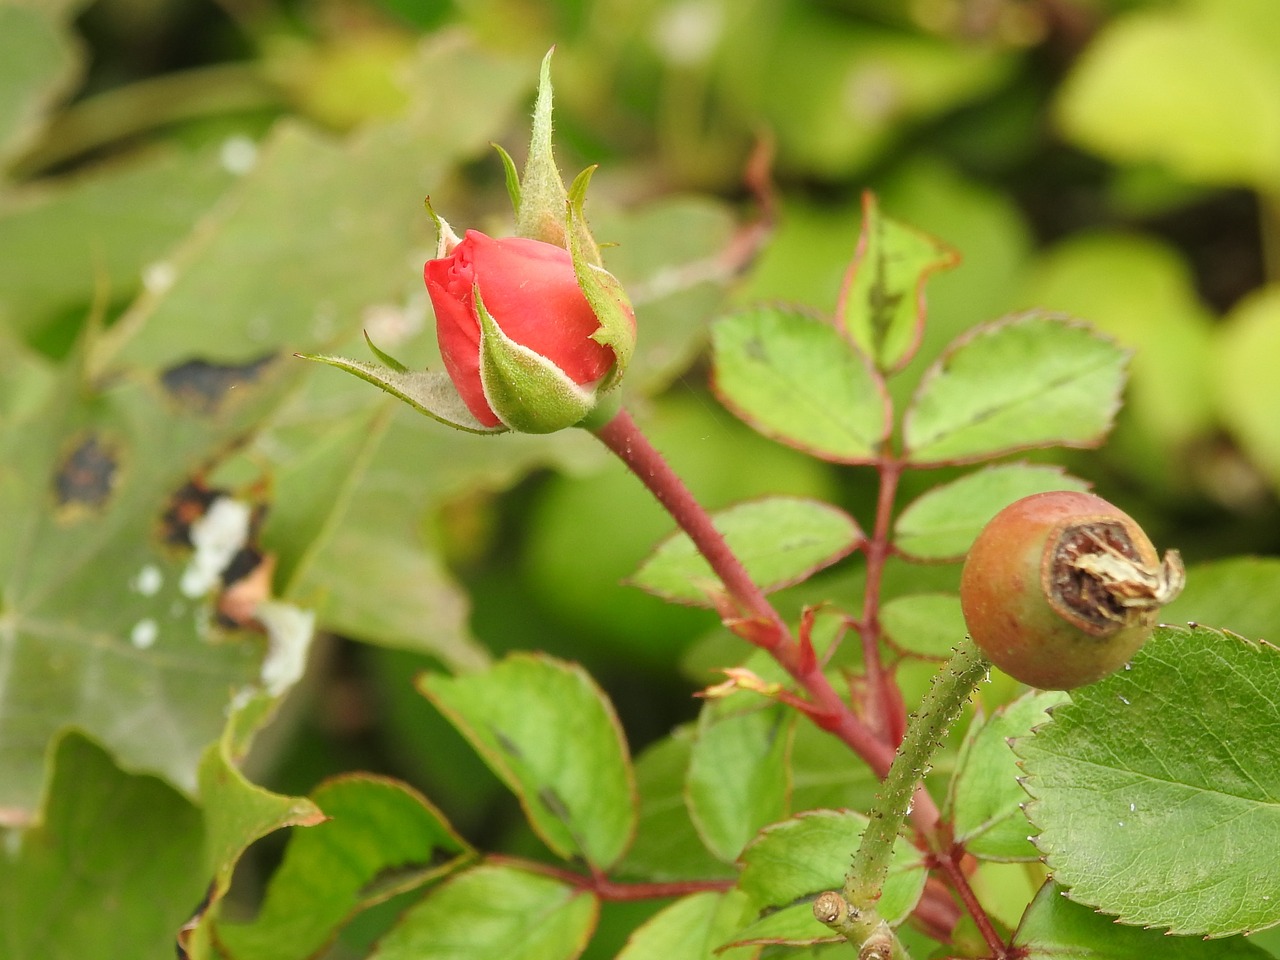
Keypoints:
pixel 949 861
pixel 623 437
pixel 883 700
pixel 607 889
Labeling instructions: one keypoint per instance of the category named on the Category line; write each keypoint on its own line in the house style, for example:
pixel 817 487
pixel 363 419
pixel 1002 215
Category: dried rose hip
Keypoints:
pixel 1061 589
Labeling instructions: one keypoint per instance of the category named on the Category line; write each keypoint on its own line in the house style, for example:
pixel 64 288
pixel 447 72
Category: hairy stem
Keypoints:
pixel 939 709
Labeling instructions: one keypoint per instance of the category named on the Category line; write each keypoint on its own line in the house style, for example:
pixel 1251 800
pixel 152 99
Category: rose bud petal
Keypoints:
pixel 529 290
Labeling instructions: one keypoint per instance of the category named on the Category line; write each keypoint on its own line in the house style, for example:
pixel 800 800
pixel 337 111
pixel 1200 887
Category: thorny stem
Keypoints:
pixel 939 709
pixel 826 708
pixel 624 438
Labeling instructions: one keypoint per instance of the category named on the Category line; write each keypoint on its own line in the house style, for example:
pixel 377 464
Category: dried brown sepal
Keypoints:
pixel 1097 577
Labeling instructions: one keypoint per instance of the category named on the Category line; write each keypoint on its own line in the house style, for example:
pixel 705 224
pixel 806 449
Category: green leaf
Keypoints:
pixel 795 378
pixel 882 305
pixel 667 847
pixel 429 392
pixel 823 777
pixel 372 577
pixel 238 812
pixel 924 624
pixel 986 799
pixel 1054 928
pixel 38 63
pixel 1031 380
pixel 1186 88
pixel 739 778
pixel 494 913
pixel 942 524
pixel 578 792
pixel 84 883
pixel 690 929
pixel 381 838
pixel 1142 292
pixel 1181 746
pixel 780 540
pixel 106 232
pixel 789 864
pixel 1240 594
pixel 109 627
pixel 1248 392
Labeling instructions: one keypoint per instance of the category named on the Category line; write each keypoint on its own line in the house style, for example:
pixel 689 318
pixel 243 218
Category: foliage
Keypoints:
pixel 229 579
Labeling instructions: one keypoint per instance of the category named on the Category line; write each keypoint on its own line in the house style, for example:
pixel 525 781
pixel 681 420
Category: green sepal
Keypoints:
pixel 512 175
pixel 386 358
pixel 528 392
pixel 540 213
pixel 429 392
pixel 446 239
pixel 604 293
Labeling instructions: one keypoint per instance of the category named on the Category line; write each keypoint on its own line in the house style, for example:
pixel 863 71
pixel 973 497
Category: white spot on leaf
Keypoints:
pixel 148 581
pixel 289 633
pixel 216 536
pixel 238 154
pixel 144 633
pixel 158 277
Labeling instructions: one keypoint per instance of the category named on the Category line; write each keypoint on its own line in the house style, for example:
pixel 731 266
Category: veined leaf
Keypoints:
pixel 692 928
pixel 797 379
pixel 1054 928
pixel 942 524
pixel 380 838
pixel 986 799
pixel 1031 380
pixel 78 886
pixel 924 624
pixel 1183 745
pixel 578 792
pixel 882 305
pixel 788 865
pixel 780 541
pixel 494 913
pixel 739 777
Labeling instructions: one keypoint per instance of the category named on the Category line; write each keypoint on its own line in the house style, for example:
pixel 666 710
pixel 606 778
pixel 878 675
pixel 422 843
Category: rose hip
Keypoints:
pixel 1061 589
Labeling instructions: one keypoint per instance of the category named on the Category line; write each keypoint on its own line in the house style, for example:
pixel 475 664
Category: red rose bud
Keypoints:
pixel 519 338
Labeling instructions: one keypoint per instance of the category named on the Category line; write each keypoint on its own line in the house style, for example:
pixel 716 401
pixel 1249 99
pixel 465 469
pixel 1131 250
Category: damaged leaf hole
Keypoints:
pixel 203 386
pixel 86 475
pixel 227 562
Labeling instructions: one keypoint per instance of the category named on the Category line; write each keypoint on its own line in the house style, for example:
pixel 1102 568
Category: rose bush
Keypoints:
pixel 531 326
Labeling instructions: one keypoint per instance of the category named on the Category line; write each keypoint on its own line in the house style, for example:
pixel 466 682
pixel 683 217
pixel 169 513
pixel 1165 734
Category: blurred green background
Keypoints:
pixel 228 179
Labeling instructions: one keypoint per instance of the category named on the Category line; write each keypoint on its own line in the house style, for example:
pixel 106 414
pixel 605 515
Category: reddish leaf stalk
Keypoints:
pixel 949 861
pixel 883 701
pixel 606 889
pixel 624 438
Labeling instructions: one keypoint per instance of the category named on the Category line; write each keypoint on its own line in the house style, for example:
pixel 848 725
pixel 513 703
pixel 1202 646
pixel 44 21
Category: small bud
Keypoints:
pixel 516 332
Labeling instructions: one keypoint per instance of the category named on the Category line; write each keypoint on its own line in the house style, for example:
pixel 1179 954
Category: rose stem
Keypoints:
pixel 624 438
pixel 945 699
